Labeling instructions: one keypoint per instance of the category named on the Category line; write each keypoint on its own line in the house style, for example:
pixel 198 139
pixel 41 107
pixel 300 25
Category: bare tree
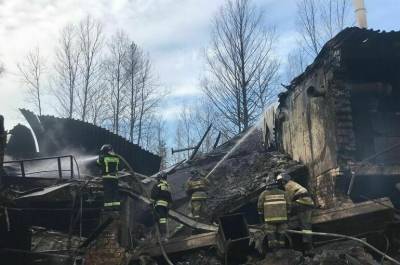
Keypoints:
pixel 320 20
pixel 203 115
pixel 32 71
pixel 296 63
pixel 99 107
pixel 241 67
pixel 132 64
pixel 149 95
pixel 116 77
pixel 155 135
pixel 91 42
pixel 185 135
pixel 66 70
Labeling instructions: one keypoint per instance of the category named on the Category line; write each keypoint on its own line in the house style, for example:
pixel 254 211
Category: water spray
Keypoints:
pixel 233 149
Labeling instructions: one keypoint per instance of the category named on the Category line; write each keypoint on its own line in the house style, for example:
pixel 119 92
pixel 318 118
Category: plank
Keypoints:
pixel 181 218
pixel 352 210
pixel 377 170
pixel 178 245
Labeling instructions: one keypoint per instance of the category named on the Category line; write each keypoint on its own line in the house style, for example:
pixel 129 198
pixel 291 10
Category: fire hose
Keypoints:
pixel 345 237
pixel 157 229
pixel 164 253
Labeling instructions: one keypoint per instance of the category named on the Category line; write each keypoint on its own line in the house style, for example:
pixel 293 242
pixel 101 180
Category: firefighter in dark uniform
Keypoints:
pixel 272 206
pixel 109 163
pixel 161 194
pixel 196 189
pixel 300 205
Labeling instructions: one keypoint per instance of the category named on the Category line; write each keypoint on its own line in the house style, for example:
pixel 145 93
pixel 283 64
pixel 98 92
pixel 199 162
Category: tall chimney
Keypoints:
pixel 361 13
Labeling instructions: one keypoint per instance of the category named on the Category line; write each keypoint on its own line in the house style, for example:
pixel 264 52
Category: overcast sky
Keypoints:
pixel 173 32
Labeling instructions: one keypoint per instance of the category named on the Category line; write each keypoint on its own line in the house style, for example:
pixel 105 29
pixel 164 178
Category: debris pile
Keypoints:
pixel 343 161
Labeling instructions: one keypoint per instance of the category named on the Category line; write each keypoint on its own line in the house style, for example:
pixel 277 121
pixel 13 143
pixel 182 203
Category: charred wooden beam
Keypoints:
pixel 217 141
pixel 179 245
pixel 181 218
pixel 378 170
pixel 200 142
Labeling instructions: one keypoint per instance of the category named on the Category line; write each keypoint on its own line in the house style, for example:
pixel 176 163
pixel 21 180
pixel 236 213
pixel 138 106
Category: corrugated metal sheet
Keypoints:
pixel 57 135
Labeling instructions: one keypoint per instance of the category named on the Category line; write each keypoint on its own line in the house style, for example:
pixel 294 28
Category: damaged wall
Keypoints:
pixel 342 109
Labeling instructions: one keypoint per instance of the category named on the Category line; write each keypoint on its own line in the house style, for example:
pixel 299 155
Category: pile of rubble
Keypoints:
pixel 238 179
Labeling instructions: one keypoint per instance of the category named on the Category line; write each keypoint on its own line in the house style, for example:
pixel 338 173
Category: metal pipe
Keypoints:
pixel 36 159
pixel 72 167
pixel 361 13
pixel 59 167
pixel 22 168
pixel 173 151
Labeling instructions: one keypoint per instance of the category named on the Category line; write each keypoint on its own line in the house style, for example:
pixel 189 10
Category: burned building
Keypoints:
pixel 341 117
pixel 324 139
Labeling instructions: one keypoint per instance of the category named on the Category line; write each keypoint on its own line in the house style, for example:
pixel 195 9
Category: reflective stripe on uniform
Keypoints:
pixel 163 185
pixel 110 177
pixel 116 203
pixel 305 201
pixel 111 159
pixel 275 219
pixel 162 203
pixel 306 231
pixel 108 204
pixel 162 220
pixel 199 197
pixel 275 243
pixel 196 184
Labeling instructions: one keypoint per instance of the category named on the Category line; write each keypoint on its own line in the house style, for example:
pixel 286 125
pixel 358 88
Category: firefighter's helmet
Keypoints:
pixel 283 177
pixel 106 148
pixel 162 176
pixel 194 172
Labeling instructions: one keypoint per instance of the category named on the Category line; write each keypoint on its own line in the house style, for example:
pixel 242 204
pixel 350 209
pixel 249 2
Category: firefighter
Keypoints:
pixel 196 189
pixel 109 163
pixel 161 194
pixel 300 205
pixel 272 206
